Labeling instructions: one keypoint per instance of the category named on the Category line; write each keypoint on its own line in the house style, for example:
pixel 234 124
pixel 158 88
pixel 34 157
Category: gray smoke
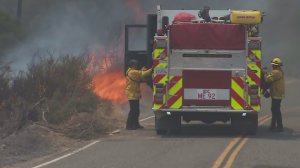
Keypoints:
pixel 66 26
pixel 72 26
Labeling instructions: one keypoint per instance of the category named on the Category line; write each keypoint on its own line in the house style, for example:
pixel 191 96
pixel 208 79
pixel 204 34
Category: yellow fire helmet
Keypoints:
pixel 276 61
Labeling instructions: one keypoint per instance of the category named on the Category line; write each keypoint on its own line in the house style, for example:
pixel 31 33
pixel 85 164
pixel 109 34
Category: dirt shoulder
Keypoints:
pixel 38 142
pixel 33 144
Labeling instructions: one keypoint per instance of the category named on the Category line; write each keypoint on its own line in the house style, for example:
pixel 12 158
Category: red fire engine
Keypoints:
pixel 205 69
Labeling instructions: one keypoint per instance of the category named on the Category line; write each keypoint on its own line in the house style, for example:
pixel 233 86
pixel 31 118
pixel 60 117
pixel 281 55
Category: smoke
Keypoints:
pixel 73 26
pixel 68 26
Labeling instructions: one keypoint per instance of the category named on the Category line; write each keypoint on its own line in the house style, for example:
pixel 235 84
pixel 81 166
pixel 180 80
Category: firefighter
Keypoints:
pixel 276 81
pixel 134 77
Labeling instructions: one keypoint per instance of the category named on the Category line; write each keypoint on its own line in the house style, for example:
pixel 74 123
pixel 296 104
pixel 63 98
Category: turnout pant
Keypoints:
pixel 276 114
pixel 133 115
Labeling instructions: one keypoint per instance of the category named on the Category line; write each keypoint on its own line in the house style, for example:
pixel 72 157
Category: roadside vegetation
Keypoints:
pixel 49 105
pixel 54 92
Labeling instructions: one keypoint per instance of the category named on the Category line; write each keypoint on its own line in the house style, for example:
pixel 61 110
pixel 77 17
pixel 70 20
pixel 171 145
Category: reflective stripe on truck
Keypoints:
pixel 237 93
pixel 254 75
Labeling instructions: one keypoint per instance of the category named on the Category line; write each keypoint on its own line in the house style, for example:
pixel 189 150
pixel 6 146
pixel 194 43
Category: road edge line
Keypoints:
pixel 264 120
pixel 141 120
pixel 77 150
pixel 147 118
pixel 67 155
pixel 263 117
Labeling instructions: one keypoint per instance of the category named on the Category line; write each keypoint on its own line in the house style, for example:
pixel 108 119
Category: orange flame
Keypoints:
pixel 110 86
pixel 108 83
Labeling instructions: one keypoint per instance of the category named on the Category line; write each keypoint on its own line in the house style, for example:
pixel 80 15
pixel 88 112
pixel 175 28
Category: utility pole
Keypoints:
pixel 19 10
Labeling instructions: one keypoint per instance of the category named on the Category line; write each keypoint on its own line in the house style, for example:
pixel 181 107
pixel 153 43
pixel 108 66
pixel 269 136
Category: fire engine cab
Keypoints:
pixel 204 70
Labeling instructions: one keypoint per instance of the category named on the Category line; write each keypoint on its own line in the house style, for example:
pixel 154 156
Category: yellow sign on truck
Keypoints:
pixel 245 17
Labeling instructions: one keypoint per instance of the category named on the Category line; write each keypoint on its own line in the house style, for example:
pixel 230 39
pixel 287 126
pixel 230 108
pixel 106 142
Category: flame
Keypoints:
pixel 110 86
pixel 108 80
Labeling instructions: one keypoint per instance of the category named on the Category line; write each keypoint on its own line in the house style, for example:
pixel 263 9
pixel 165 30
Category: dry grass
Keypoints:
pixel 54 91
pixel 86 125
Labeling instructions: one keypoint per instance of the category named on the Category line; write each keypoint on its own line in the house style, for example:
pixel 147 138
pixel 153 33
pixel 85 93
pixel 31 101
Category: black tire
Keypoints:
pixel 168 124
pixel 254 125
pixel 161 132
pixel 175 131
pixel 160 125
pixel 245 125
pixel 175 125
pixel 252 132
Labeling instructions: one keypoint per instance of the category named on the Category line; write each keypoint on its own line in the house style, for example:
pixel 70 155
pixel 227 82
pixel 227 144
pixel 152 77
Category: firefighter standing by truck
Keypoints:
pixel 276 80
pixel 134 77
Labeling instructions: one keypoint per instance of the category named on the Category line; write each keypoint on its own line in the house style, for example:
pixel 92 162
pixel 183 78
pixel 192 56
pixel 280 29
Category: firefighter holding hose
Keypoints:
pixel 134 77
pixel 276 81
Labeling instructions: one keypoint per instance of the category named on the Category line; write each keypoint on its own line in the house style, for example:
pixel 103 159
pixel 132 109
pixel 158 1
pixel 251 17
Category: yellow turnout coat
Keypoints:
pixel 133 80
pixel 276 78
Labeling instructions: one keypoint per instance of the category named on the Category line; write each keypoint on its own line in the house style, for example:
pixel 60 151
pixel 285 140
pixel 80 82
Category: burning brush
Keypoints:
pixel 108 80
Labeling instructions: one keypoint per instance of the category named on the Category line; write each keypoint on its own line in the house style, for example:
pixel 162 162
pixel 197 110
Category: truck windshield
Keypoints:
pixel 137 39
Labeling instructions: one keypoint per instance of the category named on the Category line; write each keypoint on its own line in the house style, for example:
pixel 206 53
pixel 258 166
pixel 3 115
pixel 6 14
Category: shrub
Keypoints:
pixel 59 85
pixel 58 91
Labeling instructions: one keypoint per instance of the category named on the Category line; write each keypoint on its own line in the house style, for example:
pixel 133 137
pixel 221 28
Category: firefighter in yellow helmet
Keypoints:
pixel 134 78
pixel 276 80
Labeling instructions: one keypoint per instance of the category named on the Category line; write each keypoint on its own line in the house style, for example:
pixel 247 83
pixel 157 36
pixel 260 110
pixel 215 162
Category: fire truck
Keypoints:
pixel 204 69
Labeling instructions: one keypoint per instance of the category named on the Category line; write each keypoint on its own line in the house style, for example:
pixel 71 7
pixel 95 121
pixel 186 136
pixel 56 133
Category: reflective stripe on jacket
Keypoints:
pixel 133 81
pixel 276 78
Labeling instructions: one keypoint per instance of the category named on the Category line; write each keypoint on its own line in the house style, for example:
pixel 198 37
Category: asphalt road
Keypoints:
pixel 199 145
